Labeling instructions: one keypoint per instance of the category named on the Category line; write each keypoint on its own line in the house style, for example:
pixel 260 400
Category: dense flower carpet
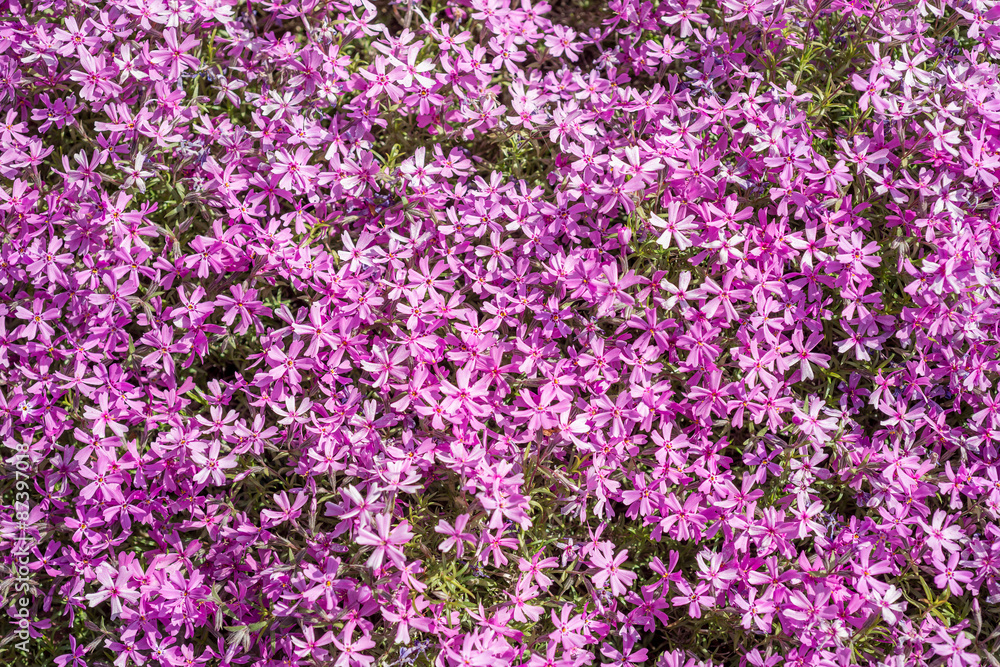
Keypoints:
pixel 499 332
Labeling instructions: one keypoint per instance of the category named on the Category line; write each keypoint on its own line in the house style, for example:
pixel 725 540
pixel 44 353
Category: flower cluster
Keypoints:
pixel 502 333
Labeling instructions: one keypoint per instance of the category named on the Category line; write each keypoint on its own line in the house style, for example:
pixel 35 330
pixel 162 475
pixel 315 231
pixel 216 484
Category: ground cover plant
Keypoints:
pixel 499 333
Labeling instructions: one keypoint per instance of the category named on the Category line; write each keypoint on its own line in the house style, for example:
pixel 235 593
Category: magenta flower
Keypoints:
pixel 950 577
pixel 383 82
pixel 610 571
pixel 114 587
pixel 567 628
pixel 175 57
pixel 456 537
pixel 386 540
pixel 351 651
pixel 756 611
pixel 940 536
